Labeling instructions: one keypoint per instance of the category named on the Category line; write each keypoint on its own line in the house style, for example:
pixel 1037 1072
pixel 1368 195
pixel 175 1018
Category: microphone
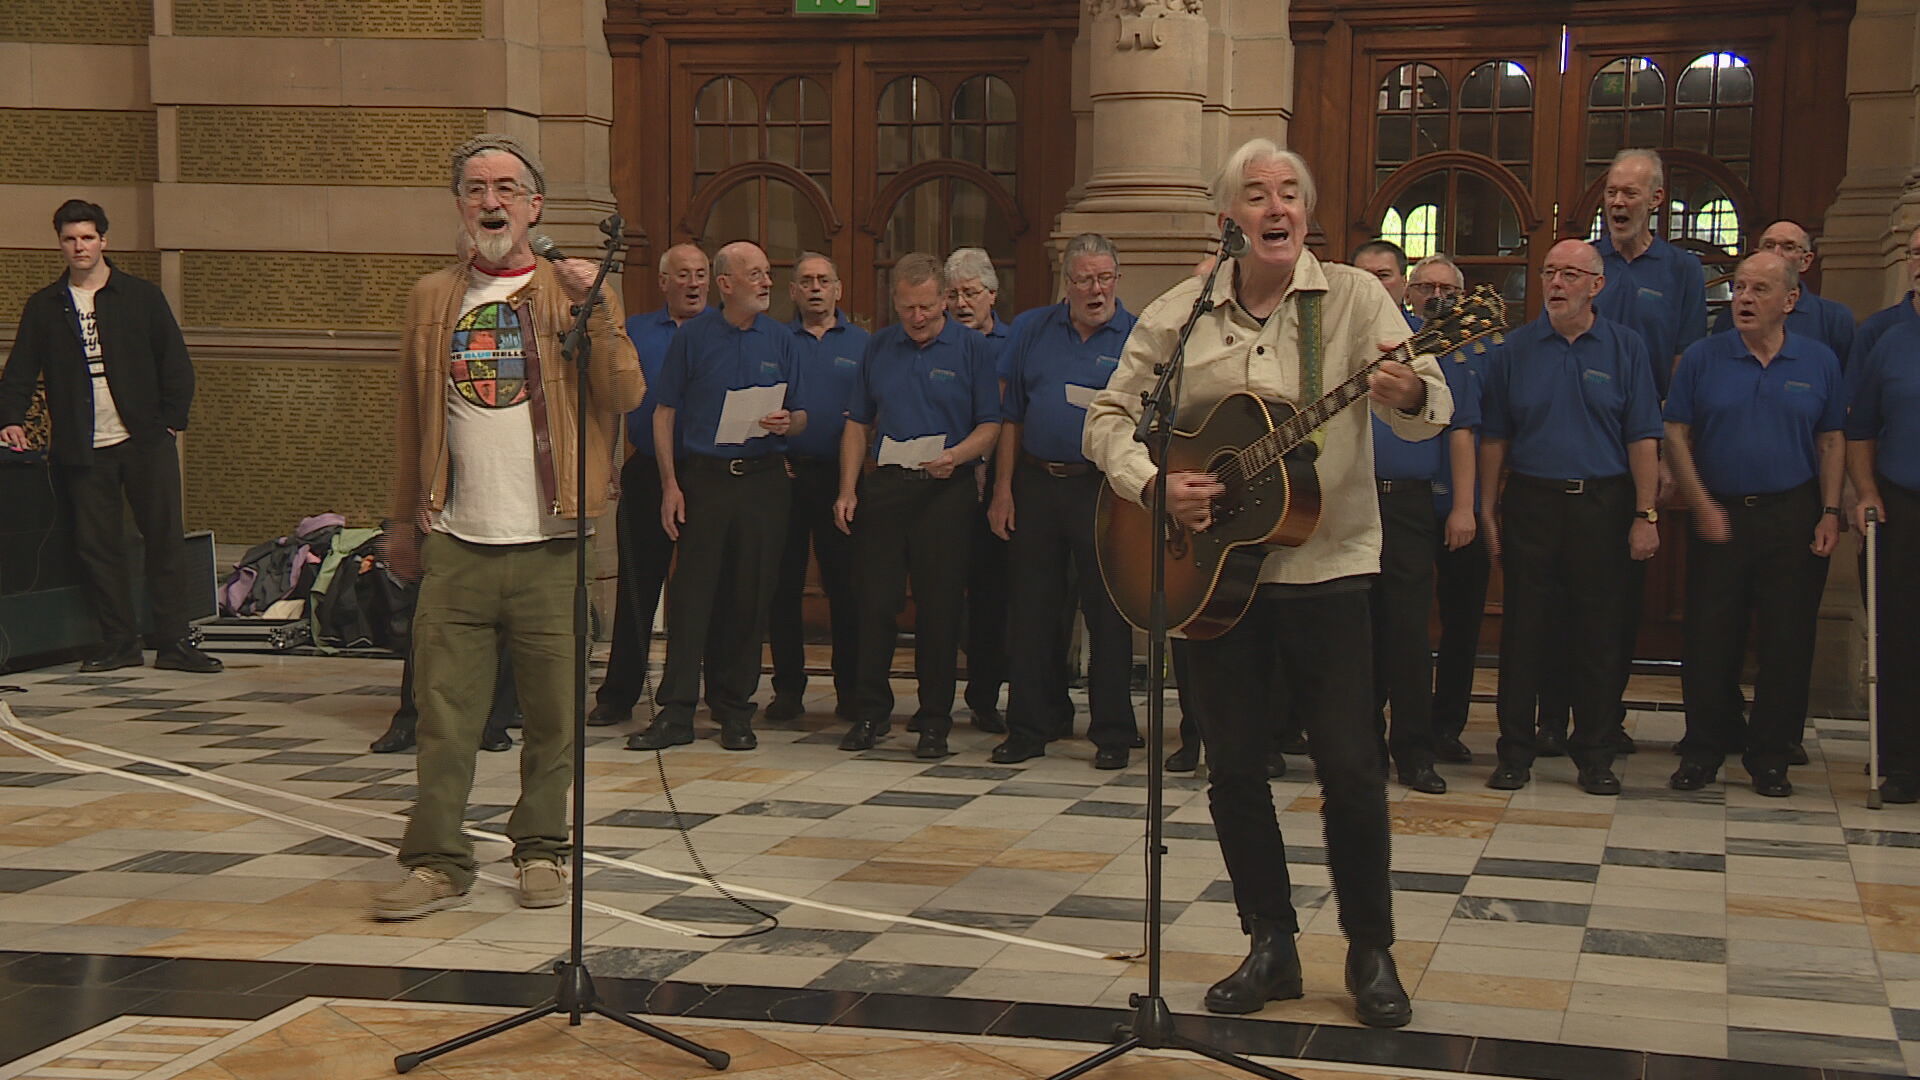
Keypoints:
pixel 1233 240
pixel 543 246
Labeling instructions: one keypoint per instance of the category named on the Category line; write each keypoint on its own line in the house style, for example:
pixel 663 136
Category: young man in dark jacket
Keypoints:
pixel 119 385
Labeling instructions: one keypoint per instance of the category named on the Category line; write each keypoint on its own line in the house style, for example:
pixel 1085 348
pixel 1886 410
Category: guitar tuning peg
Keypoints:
pixel 1499 338
pixel 1479 348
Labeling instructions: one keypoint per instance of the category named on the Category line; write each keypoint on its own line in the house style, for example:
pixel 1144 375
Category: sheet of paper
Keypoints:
pixel 911 453
pixel 1081 396
pixel 741 412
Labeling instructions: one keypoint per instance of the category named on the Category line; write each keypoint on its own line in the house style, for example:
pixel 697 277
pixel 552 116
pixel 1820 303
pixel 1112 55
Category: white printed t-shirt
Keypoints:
pixel 108 428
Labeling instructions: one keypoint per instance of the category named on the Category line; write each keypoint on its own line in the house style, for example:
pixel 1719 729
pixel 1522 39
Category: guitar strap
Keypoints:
pixel 1311 356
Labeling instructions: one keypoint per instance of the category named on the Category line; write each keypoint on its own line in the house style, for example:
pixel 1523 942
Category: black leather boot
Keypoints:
pixel 398 736
pixel 1378 998
pixel 1271 972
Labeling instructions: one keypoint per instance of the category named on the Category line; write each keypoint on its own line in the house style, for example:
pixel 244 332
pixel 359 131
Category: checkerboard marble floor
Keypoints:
pixel 1716 924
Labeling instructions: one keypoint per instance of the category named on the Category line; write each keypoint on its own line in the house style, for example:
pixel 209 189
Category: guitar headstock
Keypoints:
pixel 1455 322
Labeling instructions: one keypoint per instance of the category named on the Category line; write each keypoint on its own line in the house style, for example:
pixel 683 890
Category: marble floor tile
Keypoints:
pixel 1819 1017
pixel 1665 1036
pixel 1495 960
pixel 1637 971
pixel 1647 1002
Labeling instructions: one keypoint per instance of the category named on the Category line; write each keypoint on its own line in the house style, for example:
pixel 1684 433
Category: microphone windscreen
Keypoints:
pixel 544 247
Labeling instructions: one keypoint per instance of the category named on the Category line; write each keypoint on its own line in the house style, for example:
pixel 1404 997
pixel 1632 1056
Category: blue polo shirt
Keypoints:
pixel 1825 321
pixel 1662 295
pixel 652 332
pixel 1753 426
pixel 997 341
pixel 1569 408
pixel 1886 404
pixel 906 390
pixel 1395 458
pixel 829 362
pixel 1877 324
pixel 1045 358
pixel 1466 372
pixel 710 356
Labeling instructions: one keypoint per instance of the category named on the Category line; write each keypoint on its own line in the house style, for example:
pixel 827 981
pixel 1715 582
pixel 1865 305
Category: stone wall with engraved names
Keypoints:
pixel 77 22
pixel 290 290
pixel 232 144
pixel 338 18
pixel 78 146
pixel 25 271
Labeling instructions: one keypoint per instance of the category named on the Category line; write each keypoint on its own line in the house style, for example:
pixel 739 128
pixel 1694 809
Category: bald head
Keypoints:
pixel 1573 276
pixel 1789 241
pixel 746 286
pixel 1576 253
pixel 1765 288
pixel 683 281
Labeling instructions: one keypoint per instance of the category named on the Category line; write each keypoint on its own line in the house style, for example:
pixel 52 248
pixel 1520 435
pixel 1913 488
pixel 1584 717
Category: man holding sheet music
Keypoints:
pixel 731 376
pixel 928 390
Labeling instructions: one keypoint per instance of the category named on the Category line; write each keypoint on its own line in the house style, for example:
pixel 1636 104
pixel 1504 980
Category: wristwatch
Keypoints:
pixel 1649 516
pixel 1834 510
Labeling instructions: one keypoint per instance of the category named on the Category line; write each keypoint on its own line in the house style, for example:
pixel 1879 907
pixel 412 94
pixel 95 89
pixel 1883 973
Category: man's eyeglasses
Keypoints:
pixel 756 275
pixel 1784 247
pixel 1088 281
pixel 1568 274
pixel 475 192
pixel 1437 288
pixel 814 281
pixel 969 293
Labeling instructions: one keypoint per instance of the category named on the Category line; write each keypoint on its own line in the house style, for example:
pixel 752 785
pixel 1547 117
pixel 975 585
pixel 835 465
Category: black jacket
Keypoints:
pixel 145 356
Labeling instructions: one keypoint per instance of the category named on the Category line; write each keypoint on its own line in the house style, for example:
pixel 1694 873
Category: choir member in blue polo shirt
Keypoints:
pixel 927 390
pixel 1653 287
pixel 1402 596
pixel 1044 494
pixel 1813 316
pixel 1883 459
pixel 645 549
pixel 1906 312
pixel 973 288
pixel 830 347
pixel 1569 405
pixel 1754 438
pixel 724 492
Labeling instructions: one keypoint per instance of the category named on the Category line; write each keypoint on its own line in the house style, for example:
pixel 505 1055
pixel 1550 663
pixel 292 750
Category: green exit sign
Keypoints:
pixel 836 7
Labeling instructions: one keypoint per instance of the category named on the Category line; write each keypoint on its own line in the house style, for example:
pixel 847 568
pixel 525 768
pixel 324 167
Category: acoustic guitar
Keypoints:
pixel 1260 453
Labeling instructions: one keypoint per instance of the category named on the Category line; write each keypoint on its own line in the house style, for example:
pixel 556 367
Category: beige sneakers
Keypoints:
pixel 543 883
pixel 424 892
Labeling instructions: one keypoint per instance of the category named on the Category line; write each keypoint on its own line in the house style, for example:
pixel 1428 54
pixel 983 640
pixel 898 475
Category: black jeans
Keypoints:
pixel 987 579
pixel 1054 533
pixel 1899 625
pixel 816 484
pixel 1460 595
pixel 143 475
pixel 645 553
pixel 722 584
pixel 1566 565
pixel 1402 603
pixel 910 528
pixel 1321 646
pixel 1765 575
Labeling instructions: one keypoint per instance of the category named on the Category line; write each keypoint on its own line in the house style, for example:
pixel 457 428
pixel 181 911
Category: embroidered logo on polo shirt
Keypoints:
pixel 1598 378
pixel 489 363
pixel 844 361
pixel 940 374
pixel 769 367
pixel 1795 386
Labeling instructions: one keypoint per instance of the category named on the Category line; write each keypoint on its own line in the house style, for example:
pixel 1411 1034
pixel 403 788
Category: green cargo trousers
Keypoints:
pixel 473 597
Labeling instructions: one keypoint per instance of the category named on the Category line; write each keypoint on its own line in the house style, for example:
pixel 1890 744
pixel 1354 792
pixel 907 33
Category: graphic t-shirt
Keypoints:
pixel 108 430
pixel 494 494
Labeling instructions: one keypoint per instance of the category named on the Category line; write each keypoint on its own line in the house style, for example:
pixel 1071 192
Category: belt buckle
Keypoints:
pixel 736 466
pixel 1749 500
pixel 1057 470
pixel 1576 487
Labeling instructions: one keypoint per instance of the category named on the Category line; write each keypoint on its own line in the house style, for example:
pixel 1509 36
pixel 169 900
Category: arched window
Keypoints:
pixel 726 127
pixel 1626 106
pixel 1718 224
pixel 1713 110
pixel 984 126
pixel 909 121
pixel 937 216
pixel 1496 115
pixel 773 214
pixel 1411 117
pixel 800 128
pixel 1467 215
pixel 1416 232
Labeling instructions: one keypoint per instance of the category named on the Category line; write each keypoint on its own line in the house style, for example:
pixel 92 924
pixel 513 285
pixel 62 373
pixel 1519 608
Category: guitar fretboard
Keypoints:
pixel 1266 451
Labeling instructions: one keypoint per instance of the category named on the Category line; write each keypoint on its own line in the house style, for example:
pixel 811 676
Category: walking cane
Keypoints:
pixel 1873 658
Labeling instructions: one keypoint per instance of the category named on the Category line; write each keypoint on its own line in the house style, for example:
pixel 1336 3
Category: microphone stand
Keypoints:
pixel 1152 1027
pixel 576 995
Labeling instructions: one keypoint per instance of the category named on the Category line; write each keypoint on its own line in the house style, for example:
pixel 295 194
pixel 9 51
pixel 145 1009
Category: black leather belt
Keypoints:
pixel 1800 492
pixel 1390 487
pixel 1059 470
pixel 742 466
pixel 1569 487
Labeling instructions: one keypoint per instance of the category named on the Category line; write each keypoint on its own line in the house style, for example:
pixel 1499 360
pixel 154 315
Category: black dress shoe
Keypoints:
pixel 1185 759
pixel 785 708
pixel 397 737
pixel 1620 743
pixel 990 721
pixel 860 736
pixel 183 655
pixel 604 715
pixel 1900 789
pixel 1550 744
pixel 1692 776
pixel 1016 750
pixel 1423 778
pixel 114 658
pixel 1509 778
pixel 1797 755
pixel 1112 757
pixel 738 735
pixel 1271 972
pixel 1295 743
pixel 1450 749
pixel 1138 742
pixel 1378 998
pixel 1276 765
pixel 495 740
pixel 932 746
pixel 661 734
pixel 1772 783
pixel 1599 780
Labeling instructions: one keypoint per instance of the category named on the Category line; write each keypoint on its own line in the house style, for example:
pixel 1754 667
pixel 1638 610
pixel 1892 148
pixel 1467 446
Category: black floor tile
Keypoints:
pixel 930 799
pixel 1546 1061
pixel 225 976
pixel 181 862
pixel 74 969
pixel 1539 869
pixel 37 1018
pixel 506 988
pixel 1407 881
pixel 349 980
pixel 19 881
pixel 1676 1067
pixel 914 1012
pixel 776 1004
pixel 676 998
pixel 1396 1049
pixel 1068 1023
pixel 652 819
pixel 215 1005
pixel 1270 1038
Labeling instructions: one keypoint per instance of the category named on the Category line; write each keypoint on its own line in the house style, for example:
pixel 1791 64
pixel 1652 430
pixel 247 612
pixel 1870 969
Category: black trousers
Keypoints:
pixel 987 578
pixel 1765 575
pixel 1322 646
pixel 1286 706
pixel 1052 545
pixel 908 528
pixel 1899 626
pixel 722 585
pixel 1460 596
pixel 1402 603
pixel 145 476
pixel 1566 566
pixel 645 553
pixel 816 484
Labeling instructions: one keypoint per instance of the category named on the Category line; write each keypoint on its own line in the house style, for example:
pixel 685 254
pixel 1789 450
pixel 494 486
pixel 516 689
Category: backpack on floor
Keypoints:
pixel 357 603
pixel 279 569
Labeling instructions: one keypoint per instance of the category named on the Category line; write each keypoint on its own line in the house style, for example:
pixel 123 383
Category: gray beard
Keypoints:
pixel 492 245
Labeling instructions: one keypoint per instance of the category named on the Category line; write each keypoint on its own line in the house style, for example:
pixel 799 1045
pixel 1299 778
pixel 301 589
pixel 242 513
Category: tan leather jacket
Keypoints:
pixel 614 387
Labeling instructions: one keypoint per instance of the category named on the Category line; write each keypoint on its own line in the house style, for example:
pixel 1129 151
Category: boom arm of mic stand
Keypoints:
pixel 1158 404
pixel 577 344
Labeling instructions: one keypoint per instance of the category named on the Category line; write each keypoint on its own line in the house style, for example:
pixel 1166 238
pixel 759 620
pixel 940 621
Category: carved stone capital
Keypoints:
pixel 1137 22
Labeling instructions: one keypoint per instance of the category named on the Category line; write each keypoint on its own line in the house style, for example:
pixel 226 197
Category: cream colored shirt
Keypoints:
pixel 1230 350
